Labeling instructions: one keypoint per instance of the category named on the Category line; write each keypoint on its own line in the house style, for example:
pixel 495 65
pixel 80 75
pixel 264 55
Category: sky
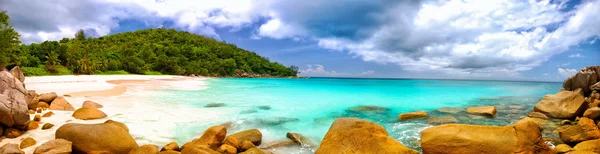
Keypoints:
pixel 537 40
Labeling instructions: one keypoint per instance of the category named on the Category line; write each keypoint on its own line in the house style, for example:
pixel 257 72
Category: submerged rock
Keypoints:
pixel 264 107
pixel 437 120
pixel 248 111
pixel 412 115
pixel 215 105
pixel 368 108
pixel 523 137
pixel 86 138
pixel 584 130
pixel 482 110
pixel 277 121
pixel 450 110
pixel 563 105
pixel 352 135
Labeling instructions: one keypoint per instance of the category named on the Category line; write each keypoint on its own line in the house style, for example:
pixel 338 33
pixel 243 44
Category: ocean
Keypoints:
pixel 309 106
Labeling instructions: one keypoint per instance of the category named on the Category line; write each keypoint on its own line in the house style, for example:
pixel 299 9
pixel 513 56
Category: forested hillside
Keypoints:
pixel 149 51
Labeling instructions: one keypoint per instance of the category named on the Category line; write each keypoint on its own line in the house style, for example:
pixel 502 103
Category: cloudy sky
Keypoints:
pixel 458 39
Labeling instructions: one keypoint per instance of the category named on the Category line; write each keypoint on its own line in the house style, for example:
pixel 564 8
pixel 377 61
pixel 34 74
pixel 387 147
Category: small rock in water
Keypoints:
pixel 264 107
pixel 436 120
pixel 450 110
pixel 215 105
pixel 412 115
pixel 248 111
pixel 368 108
pixel 482 110
pixel 277 121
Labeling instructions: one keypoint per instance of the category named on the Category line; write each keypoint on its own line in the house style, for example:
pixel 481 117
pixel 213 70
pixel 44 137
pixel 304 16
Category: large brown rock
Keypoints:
pixel 18 73
pixel 57 146
pixel 97 137
pixel 482 110
pixel 145 149
pixel 173 146
pixel 11 149
pixel 227 149
pixel 590 145
pixel 563 105
pixel 592 113
pixel 584 130
pixel 31 99
pixel 583 79
pixel 88 114
pixel 60 103
pixel 47 97
pixel 352 135
pixel 212 137
pixel 91 104
pixel 412 115
pixel 252 135
pixel 13 107
pixel 523 137
pixel 197 149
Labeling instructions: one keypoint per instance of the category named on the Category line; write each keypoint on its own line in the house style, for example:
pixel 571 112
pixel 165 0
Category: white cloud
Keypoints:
pixel 319 70
pixel 545 74
pixel 566 72
pixel 577 55
pixel 367 73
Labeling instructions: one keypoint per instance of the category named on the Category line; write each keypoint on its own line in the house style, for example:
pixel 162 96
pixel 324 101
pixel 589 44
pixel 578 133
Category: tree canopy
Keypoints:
pixel 148 51
pixel 9 40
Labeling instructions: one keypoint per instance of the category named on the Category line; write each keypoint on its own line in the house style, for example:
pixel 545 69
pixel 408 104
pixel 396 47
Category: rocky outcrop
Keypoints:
pixel 18 73
pixel 590 145
pixel 11 149
pixel 88 114
pixel 60 103
pixel 13 107
pixel 57 146
pixel 563 105
pixel 212 137
pixel 47 97
pixel 412 115
pixel 583 79
pixel 592 113
pixel 145 149
pixel 300 139
pixel 236 139
pixel 523 137
pixel 91 104
pixel 352 135
pixel 106 136
pixel 482 110
pixel 584 130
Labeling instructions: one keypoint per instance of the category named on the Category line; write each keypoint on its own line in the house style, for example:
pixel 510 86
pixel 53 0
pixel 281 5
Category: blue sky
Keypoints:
pixel 544 40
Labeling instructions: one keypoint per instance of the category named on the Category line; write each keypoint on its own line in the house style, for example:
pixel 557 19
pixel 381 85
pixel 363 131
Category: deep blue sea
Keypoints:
pixel 309 106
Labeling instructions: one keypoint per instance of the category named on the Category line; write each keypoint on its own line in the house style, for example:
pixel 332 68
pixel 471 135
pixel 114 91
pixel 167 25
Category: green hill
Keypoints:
pixel 149 51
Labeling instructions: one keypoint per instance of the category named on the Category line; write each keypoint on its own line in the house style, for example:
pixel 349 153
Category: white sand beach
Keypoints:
pixel 117 93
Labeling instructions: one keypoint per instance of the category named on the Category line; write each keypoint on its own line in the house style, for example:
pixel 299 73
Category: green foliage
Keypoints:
pixel 149 51
pixel 9 42
pixel 80 35
pixel 119 72
pixel 152 73
pixel 34 71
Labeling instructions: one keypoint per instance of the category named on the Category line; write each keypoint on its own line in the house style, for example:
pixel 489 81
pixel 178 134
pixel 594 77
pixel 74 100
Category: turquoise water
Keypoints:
pixel 309 106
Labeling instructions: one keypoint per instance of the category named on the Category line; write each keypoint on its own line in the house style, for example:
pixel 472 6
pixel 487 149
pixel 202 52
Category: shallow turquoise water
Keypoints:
pixel 309 106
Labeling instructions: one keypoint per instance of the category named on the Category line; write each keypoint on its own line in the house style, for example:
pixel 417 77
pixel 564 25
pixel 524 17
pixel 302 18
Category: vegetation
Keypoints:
pixel 150 51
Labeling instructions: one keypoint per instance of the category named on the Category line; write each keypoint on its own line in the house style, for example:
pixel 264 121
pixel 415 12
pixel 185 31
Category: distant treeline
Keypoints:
pixel 149 51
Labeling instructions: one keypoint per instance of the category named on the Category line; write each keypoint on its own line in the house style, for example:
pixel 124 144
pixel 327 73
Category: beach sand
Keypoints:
pixel 112 91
